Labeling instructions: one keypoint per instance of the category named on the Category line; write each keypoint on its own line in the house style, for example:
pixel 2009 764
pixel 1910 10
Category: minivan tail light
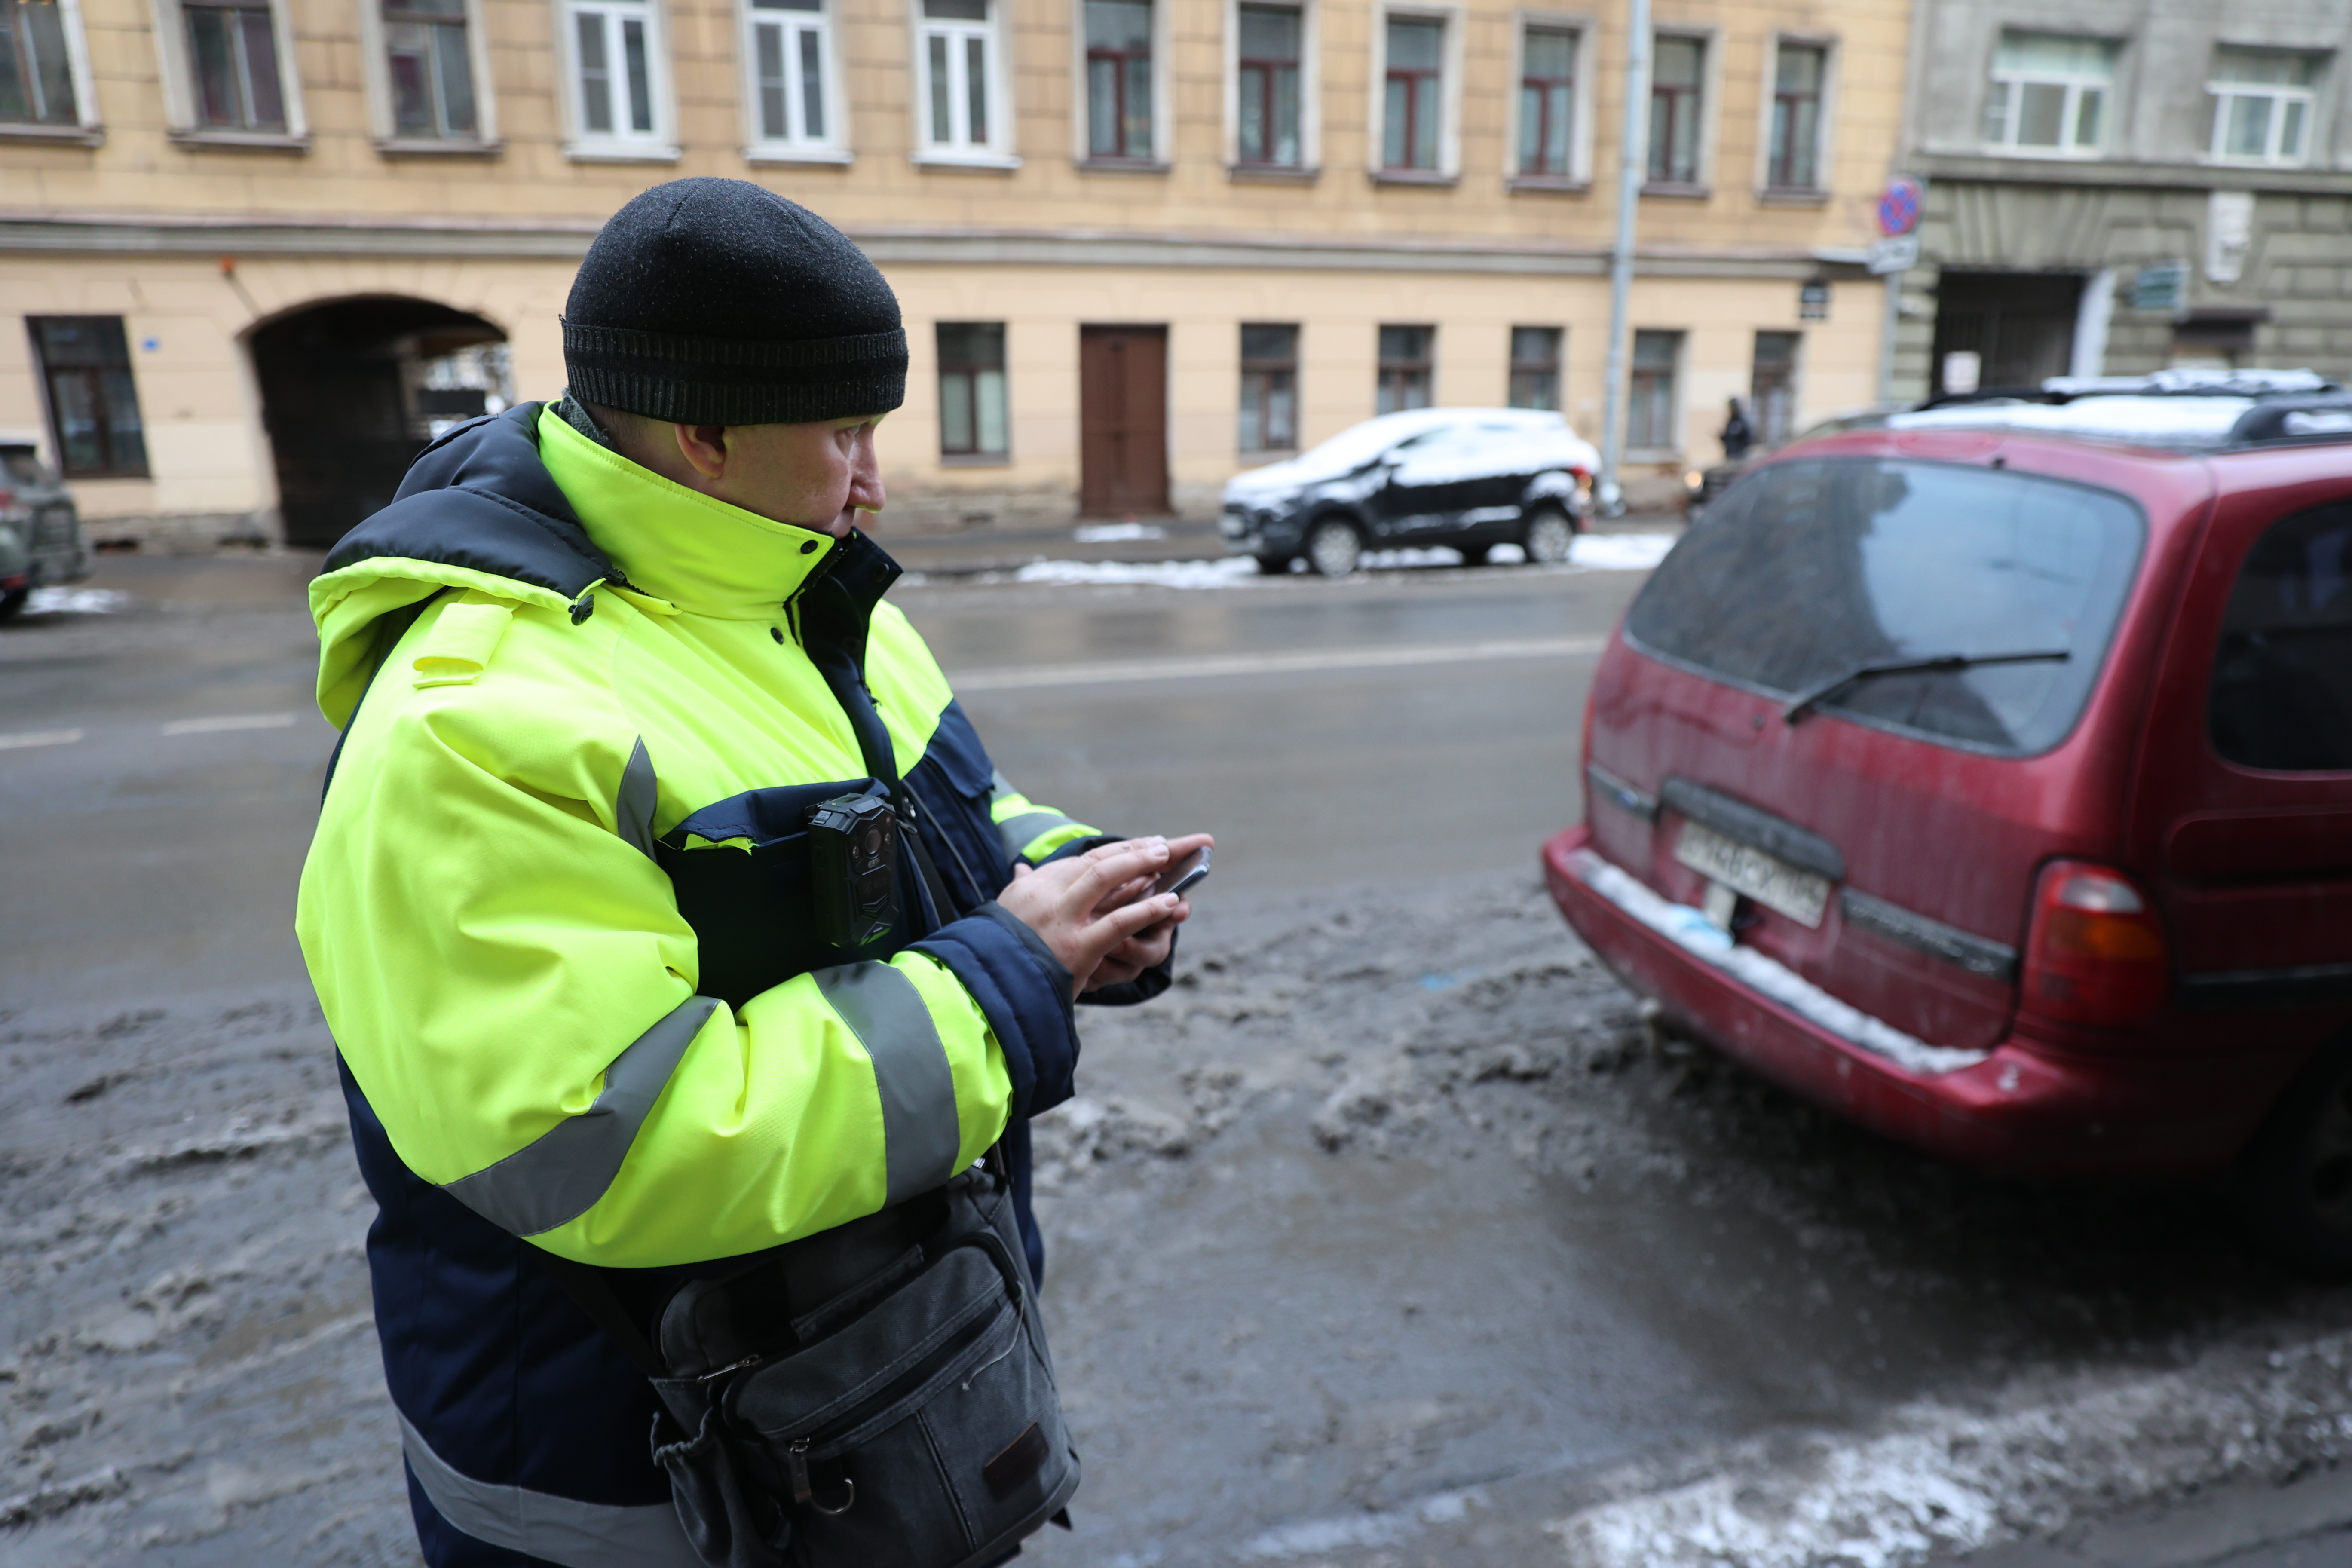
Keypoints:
pixel 2095 951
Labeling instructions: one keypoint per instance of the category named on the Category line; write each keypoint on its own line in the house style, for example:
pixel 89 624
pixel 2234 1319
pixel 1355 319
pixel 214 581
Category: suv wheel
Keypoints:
pixel 1334 547
pixel 2294 1184
pixel 1548 537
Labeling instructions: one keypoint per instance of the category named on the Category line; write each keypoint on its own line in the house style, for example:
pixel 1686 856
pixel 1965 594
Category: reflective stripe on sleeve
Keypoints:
pixel 560 1174
pixel 1020 832
pixel 1026 827
pixel 632 807
pixel 541 1524
pixel 890 1019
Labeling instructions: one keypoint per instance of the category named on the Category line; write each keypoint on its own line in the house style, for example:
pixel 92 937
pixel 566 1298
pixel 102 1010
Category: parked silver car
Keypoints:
pixel 40 533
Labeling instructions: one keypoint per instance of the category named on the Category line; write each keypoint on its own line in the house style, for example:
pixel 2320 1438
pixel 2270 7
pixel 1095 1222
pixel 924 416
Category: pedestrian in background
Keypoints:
pixel 595 668
pixel 1738 436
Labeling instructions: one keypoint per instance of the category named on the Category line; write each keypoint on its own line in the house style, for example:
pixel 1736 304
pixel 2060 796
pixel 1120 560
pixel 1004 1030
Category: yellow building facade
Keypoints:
pixel 262 248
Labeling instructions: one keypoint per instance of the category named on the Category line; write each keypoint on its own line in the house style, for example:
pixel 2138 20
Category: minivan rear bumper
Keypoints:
pixel 2019 1107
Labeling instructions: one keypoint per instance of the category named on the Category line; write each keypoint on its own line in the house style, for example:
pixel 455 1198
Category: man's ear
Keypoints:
pixel 704 447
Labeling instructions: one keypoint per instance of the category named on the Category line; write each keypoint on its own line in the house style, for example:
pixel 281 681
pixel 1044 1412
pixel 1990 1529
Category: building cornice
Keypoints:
pixel 1979 169
pixel 23 232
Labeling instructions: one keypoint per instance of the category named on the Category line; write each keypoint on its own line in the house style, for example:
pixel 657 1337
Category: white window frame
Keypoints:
pixel 1710 109
pixel 383 116
pixel 796 146
pixel 1579 130
pixel 1449 97
pixel 1310 95
pixel 1825 139
pixel 619 146
pixel 2111 85
pixel 86 130
pixel 997 151
pixel 1163 121
pixel 181 119
pixel 2279 96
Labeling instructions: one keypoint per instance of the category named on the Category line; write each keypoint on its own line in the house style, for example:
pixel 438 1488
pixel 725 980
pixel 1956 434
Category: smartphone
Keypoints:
pixel 1187 873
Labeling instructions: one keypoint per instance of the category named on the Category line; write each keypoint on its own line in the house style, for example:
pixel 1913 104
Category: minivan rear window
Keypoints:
pixel 2282 694
pixel 1811 570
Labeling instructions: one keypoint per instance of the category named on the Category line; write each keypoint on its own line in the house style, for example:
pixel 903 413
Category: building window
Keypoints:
pixel 957 66
pixel 1547 100
pixel 1415 94
pixel 1796 144
pixel 85 366
pixel 1676 82
pixel 614 57
pixel 1267 86
pixel 2262 104
pixel 36 69
pixel 1535 367
pixel 431 70
pixel 971 390
pixel 790 58
pixel 1269 421
pixel 2049 92
pixel 233 59
pixel 1404 368
pixel 1653 422
pixel 1772 387
pixel 1118 78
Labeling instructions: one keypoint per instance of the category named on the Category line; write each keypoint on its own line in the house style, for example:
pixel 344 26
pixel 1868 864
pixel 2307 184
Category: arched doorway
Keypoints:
pixel 353 390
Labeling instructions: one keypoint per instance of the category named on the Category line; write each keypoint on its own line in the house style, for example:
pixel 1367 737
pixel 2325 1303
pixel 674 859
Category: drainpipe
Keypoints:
pixel 1632 156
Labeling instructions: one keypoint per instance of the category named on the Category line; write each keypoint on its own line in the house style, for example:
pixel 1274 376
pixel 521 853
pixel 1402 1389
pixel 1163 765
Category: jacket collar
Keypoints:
pixel 705 556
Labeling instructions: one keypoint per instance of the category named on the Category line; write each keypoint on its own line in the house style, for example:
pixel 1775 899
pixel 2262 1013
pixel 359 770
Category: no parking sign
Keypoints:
pixel 1898 207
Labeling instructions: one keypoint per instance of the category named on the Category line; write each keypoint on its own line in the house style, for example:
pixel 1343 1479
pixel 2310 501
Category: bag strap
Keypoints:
pixel 587 1286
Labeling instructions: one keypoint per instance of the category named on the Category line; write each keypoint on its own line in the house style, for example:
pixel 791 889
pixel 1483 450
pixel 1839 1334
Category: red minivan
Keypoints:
pixel 1986 775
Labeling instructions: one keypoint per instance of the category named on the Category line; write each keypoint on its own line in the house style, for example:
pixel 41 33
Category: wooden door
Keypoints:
pixel 1123 421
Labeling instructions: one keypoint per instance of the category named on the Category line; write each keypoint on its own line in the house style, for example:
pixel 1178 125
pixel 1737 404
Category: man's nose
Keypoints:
pixel 866 478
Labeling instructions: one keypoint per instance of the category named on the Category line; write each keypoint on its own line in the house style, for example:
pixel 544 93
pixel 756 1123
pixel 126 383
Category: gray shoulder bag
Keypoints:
pixel 877 1395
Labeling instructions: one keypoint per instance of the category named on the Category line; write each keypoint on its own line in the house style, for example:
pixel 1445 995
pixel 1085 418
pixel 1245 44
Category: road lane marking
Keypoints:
pixel 229 722
pixel 38 738
pixel 1273 663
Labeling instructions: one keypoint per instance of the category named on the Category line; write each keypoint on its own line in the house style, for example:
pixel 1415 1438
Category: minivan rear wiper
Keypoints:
pixel 1806 701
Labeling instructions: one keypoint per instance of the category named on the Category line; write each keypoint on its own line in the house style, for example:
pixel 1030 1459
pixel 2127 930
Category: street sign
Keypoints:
pixel 1896 255
pixel 1813 301
pixel 1898 208
pixel 2161 287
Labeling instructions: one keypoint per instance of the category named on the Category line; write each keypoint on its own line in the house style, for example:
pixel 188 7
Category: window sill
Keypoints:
pixel 1119 166
pixel 1792 197
pixel 966 163
pixel 111 477
pixel 2048 154
pixel 608 152
pixel 975 459
pixel 1546 185
pixel 1675 191
pixel 821 157
pixel 1268 454
pixel 437 147
pixel 241 141
pixel 1272 174
pixel 1427 178
pixel 60 135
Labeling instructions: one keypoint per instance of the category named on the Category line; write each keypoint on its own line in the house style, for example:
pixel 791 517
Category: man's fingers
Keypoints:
pixel 1128 919
pixel 1106 867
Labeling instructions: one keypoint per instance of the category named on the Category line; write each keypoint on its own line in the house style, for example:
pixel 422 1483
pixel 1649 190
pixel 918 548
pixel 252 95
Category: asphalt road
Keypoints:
pixel 1392 1238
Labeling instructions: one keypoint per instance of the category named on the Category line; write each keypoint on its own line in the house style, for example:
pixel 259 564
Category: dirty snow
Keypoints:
pixel 1115 533
pixel 1620 552
pixel 75 601
pixel 1603 551
pixel 1219 573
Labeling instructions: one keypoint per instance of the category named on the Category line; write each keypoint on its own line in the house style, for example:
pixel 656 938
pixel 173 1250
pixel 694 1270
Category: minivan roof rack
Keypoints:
pixel 2201 410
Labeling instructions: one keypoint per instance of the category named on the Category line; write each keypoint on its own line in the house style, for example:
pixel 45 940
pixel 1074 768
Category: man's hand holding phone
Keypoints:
pixel 1111 913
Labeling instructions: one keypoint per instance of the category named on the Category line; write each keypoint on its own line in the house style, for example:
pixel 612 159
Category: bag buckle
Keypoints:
pixel 796 1461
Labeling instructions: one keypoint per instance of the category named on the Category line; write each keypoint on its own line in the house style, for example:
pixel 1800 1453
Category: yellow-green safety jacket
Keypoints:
pixel 558 914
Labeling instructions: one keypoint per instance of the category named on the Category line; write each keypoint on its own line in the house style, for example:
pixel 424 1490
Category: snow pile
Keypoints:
pixel 1219 573
pixel 1946 1481
pixel 75 601
pixel 1620 552
pixel 1116 532
pixel 1782 985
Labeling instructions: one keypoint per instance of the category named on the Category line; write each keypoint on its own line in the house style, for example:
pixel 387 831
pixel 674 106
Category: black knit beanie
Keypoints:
pixel 719 302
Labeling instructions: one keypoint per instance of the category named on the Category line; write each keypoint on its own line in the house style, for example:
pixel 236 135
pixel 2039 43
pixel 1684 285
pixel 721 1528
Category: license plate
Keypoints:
pixel 1772 881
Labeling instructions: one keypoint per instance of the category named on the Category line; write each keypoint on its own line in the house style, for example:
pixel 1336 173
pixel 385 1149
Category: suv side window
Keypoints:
pixel 2282 695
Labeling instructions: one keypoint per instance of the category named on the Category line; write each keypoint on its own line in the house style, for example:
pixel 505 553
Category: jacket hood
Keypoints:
pixel 478 513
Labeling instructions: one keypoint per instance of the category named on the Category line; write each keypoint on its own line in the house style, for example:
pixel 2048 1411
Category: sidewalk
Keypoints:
pixel 990 549
pixel 2307 1524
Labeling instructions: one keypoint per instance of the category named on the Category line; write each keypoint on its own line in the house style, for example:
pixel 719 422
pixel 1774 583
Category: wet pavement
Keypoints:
pixel 1393 1235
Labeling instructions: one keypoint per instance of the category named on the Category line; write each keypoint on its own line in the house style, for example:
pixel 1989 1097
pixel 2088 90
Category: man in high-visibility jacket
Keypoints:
pixel 593 667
